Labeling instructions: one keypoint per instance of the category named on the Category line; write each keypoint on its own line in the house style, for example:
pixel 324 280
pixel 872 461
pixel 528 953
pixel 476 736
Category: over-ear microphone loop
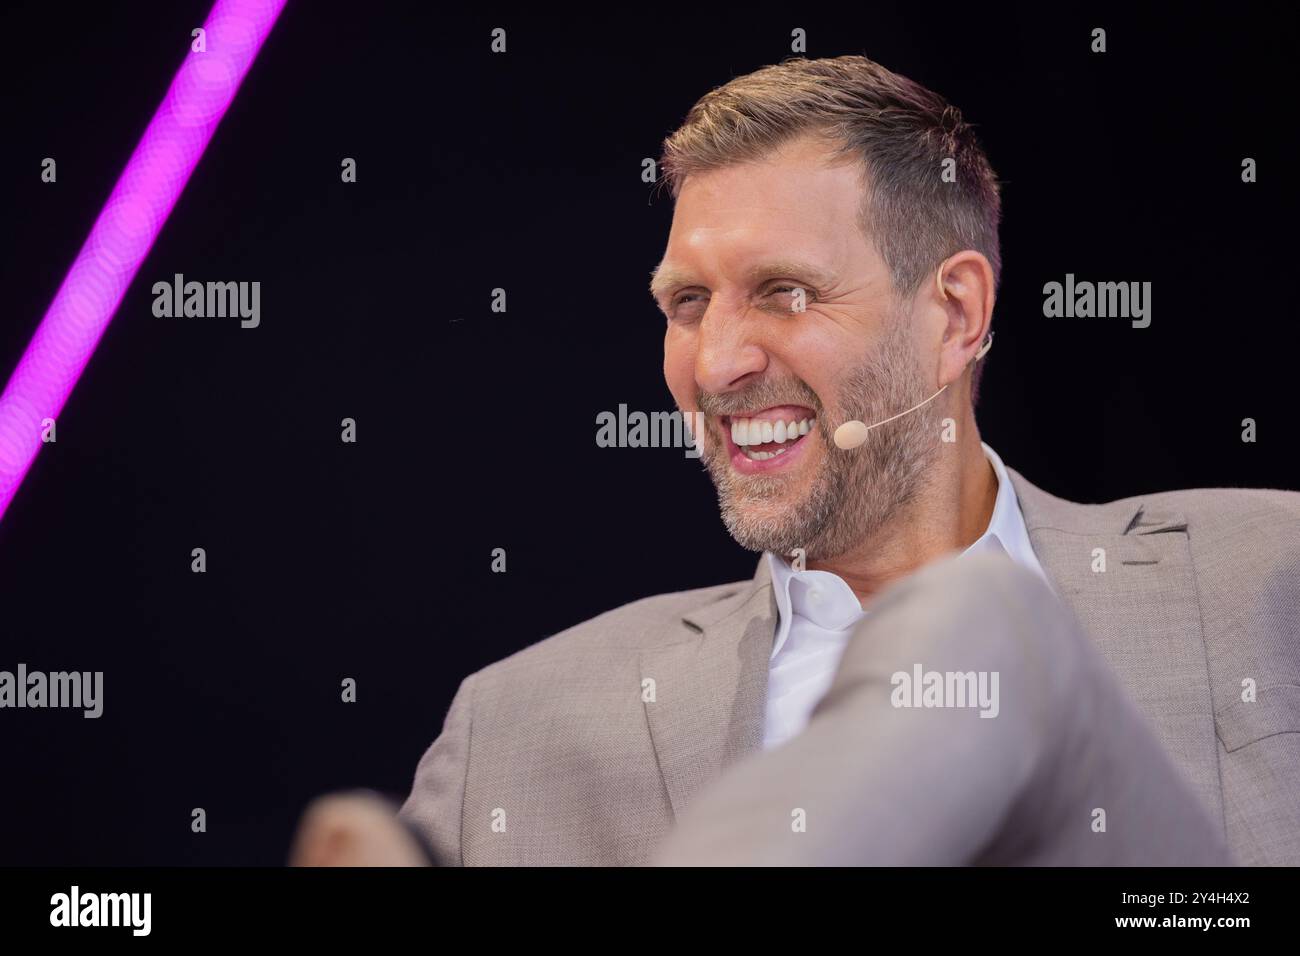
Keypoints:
pixel 853 433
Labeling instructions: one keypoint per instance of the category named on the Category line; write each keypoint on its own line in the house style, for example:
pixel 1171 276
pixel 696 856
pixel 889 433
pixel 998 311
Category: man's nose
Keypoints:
pixel 727 353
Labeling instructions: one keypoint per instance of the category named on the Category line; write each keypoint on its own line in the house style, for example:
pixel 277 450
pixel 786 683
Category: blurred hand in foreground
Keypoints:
pixel 354 829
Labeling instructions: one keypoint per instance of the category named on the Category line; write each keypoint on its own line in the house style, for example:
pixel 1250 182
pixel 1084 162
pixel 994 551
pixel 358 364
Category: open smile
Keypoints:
pixel 768 440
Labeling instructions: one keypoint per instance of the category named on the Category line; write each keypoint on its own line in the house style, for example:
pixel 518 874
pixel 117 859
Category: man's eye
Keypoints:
pixel 687 307
pixel 794 298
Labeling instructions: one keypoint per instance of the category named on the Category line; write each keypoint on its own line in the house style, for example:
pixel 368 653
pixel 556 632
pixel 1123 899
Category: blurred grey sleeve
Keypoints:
pixel 434 808
pixel 1063 770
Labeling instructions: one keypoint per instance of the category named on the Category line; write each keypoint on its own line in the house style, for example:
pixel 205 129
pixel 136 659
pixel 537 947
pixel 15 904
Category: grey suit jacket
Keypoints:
pixel 554 755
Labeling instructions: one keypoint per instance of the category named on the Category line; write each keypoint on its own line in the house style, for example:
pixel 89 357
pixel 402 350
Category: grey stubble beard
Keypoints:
pixel 854 494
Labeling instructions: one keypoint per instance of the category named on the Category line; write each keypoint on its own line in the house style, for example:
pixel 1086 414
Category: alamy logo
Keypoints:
pixel 35 689
pixel 1101 300
pixel 75 908
pixel 656 430
pixel 212 300
pixel 923 688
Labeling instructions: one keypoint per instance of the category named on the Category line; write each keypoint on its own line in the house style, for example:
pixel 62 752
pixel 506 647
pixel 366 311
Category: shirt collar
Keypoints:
pixel 1007 526
pixel 826 600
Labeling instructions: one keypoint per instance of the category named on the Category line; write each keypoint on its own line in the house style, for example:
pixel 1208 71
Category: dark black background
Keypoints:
pixel 476 430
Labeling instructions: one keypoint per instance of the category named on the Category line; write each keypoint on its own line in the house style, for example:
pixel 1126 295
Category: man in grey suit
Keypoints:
pixel 935 661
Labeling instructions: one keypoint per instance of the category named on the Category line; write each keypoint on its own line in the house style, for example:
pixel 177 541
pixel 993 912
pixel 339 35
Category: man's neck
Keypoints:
pixel 950 514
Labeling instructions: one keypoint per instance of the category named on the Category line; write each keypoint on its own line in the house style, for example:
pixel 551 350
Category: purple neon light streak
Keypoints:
pixel 144 196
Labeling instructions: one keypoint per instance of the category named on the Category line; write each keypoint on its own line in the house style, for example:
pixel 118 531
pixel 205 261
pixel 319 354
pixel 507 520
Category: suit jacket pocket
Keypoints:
pixel 1276 710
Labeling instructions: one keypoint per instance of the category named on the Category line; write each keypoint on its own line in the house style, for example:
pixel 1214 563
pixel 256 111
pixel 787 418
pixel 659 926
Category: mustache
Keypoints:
pixel 766 394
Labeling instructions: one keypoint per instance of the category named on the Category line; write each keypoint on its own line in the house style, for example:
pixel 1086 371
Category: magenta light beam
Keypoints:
pixel 153 179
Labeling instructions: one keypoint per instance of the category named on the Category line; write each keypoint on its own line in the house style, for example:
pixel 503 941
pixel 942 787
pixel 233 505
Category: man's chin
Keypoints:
pixel 756 525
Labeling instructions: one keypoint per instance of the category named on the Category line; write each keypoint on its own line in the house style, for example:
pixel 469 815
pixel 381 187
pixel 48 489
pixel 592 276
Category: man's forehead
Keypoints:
pixel 762 197
pixel 787 177
pixel 758 221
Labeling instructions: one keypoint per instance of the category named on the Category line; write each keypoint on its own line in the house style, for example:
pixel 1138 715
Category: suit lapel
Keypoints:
pixel 710 688
pixel 1142 612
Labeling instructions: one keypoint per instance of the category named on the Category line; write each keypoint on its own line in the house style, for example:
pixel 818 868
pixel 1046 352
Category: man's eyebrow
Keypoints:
pixel 791 269
pixel 664 280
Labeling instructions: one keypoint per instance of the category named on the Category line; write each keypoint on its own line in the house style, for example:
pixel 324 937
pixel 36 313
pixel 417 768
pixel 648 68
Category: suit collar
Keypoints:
pixel 709 615
pixel 1126 516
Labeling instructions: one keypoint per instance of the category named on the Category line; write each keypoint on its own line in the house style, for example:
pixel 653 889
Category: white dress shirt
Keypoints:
pixel 818 612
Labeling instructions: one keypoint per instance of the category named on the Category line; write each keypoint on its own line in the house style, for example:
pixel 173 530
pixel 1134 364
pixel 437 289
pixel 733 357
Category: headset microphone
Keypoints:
pixel 853 433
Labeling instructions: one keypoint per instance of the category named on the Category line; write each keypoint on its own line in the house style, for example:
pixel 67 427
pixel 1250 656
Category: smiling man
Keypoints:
pixel 828 286
pixel 781 312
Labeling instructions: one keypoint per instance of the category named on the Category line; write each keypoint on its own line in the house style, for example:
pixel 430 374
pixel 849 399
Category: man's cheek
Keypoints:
pixel 678 361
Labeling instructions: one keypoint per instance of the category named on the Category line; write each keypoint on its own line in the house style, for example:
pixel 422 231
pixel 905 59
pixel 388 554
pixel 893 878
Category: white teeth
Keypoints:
pixel 751 431
pixel 764 455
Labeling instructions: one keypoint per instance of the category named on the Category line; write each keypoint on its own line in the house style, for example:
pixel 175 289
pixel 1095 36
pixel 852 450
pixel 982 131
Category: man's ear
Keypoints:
pixel 963 289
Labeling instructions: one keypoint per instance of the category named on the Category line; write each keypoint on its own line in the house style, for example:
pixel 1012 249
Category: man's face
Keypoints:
pixel 744 239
